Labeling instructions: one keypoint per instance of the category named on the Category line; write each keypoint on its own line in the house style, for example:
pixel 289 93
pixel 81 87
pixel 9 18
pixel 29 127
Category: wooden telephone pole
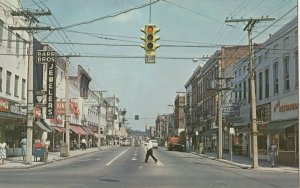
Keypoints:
pixel 249 27
pixel 31 16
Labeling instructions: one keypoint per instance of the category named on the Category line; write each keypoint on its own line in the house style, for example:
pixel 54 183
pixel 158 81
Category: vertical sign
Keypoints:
pixel 51 87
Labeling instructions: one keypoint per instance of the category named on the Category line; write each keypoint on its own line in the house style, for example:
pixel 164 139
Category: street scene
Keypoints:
pixel 149 93
pixel 125 167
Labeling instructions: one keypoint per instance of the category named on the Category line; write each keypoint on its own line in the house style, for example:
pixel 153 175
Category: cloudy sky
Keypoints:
pixel 109 31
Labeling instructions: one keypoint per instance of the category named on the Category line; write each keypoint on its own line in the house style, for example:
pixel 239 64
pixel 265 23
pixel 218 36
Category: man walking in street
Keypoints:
pixel 150 152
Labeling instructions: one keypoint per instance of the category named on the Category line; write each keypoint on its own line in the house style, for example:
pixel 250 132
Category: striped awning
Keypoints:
pixel 77 130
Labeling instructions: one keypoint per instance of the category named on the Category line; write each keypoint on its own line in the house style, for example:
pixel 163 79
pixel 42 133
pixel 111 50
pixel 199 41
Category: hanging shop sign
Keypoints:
pixel 51 90
pixel 44 56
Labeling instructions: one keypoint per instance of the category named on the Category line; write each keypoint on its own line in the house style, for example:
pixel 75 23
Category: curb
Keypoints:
pixel 29 166
pixel 243 166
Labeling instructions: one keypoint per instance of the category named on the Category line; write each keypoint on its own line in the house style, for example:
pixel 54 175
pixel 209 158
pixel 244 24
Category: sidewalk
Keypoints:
pixel 245 162
pixel 18 163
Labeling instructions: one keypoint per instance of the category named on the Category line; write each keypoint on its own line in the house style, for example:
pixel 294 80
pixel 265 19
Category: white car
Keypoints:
pixel 154 143
pixel 125 142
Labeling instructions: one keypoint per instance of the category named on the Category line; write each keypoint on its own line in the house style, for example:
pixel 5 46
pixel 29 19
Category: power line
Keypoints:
pixel 108 16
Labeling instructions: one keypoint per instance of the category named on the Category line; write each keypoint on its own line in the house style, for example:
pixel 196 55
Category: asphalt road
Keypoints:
pixel 124 167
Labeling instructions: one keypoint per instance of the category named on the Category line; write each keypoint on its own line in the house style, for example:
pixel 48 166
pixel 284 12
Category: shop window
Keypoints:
pixel 286 142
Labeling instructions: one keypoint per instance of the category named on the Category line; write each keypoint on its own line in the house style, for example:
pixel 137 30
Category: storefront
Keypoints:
pixel 77 133
pixel 12 125
pixel 283 129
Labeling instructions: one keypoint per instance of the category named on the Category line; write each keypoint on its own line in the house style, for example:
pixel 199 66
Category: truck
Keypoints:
pixel 175 142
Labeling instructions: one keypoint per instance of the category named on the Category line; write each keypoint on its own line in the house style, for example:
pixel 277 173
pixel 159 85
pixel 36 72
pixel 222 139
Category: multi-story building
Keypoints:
pixel 205 84
pixel 276 67
pixel 13 77
pixel 179 104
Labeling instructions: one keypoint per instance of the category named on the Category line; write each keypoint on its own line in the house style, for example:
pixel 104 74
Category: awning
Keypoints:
pixel 88 130
pixel 46 125
pixel 41 126
pixel 77 130
pixel 59 129
pixel 280 126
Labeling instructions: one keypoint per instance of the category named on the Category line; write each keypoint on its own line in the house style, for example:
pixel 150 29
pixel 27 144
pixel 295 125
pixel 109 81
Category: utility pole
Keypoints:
pixel 67 115
pixel 249 27
pixel 31 16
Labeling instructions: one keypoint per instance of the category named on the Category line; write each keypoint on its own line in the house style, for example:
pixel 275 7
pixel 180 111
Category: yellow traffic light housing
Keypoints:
pixel 150 39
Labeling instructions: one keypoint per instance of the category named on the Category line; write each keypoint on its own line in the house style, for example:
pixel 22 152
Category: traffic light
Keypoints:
pixel 150 39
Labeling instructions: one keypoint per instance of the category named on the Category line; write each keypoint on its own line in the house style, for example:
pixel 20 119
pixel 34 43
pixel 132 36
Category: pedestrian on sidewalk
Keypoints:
pixel 273 153
pixel 3 147
pixel 83 144
pixel 23 144
pixel 150 152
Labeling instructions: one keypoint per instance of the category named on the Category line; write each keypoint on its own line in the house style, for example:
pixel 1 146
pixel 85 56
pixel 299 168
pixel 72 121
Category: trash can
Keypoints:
pixel 64 150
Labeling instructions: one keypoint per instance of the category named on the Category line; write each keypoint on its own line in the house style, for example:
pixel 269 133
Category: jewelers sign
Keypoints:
pixel 50 113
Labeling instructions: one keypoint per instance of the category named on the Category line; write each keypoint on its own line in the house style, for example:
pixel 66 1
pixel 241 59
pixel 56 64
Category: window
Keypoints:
pixel 8 77
pixel 16 86
pixel 249 90
pixel 296 69
pixel 23 88
pixel 17 44
pixel 0 79
pixel 240 90
pixel 24 48
pixel 240 72
pixel 9 38
pixel 245 89
pixel 244 69
pixel 267 84
pixel 1 31
pixel 235 74
pixel 286 73
pixel 275 78
pixel 260 83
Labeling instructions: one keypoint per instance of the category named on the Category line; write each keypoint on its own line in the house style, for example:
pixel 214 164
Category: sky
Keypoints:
pixel 99 28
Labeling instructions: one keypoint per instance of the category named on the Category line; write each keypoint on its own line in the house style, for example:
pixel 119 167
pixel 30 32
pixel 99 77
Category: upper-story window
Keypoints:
pixel 23 88
pixel 275 78
pixel 1 31
pixel 260 85
pixel 8 80
pixel 18 44
pixel 9 38
pixel 286 73
pixel 24 48
pixel 0 79
pixel 296 69
pixel 244 69
pixel 16 93
pixel 245 89
pixel 235 74
pixel 267 84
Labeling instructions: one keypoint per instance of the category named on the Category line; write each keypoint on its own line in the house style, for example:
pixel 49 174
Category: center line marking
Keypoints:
pixel 117 156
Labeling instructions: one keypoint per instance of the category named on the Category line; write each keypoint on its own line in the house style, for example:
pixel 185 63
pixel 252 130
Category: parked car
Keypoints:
pixel 154 143
pixel 125 142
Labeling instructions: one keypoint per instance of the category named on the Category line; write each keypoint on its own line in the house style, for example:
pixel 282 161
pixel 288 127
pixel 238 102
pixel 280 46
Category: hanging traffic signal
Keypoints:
pixel 150 39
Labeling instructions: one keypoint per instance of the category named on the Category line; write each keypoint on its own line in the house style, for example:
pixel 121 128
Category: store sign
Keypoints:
pixel 4 105
pixel 285 108
pixel 44 56
pixel 56 121
pixel 61 108
pixel 11 106
pixel 51 89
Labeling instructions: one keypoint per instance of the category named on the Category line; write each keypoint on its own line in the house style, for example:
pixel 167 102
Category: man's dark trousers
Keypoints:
pixel 150 152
